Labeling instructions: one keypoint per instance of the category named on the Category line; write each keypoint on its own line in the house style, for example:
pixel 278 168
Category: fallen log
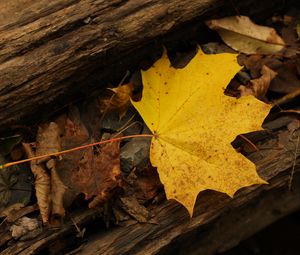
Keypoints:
pixel 51 52
pixel 218 229
pixel 218 223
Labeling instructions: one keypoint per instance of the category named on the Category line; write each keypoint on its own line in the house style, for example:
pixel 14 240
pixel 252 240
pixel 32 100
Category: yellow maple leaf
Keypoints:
pixel 194 123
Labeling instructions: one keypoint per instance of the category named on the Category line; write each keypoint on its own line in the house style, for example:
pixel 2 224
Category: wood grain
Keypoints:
pixel 53 52
pixel 218 224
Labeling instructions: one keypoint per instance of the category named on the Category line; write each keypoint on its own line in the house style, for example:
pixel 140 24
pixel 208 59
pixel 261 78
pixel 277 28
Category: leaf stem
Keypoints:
pixel 73 149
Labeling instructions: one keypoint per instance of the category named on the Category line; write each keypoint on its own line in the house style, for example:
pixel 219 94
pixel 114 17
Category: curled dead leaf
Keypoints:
pixel 42 184
pixel 259 87
pixel 241 34
pixel 119 101
pixel 48 141
pixel 58 190
pixel 22 226
pixel 286 80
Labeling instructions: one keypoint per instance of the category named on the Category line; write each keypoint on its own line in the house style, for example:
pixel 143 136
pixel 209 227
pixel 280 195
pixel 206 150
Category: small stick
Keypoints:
pixel 248 141
pixel 287 97
pixel 73 149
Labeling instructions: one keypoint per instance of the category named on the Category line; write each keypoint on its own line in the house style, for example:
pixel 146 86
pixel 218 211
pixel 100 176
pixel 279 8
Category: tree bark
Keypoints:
pixel 51 51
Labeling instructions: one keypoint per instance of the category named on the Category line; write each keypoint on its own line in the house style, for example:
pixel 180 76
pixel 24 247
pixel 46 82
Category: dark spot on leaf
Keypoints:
pixel 167 93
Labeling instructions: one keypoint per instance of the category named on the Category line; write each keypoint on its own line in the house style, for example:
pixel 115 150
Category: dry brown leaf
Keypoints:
pixel 94 173
pixel 58 190
pixel 289 35
pixel 97 174
pixel 134 209
pixel 42 184
pixel 75 133
pixel 48 141
pixel 23 226
pixel 241 34
pixel 259 87
pixel 145 183
pixel 254 63
pixel 84 171
pixel 120 101
pixel 286 80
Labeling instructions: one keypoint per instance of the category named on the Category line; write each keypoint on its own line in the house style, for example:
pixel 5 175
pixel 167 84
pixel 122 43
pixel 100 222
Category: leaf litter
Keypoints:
pixel 96 171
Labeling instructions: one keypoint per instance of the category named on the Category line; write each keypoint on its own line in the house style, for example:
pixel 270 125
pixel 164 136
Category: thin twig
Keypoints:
pixel 249 142
pixel 125 126
pixel 287 97
pixel 73 149
pixel 80 232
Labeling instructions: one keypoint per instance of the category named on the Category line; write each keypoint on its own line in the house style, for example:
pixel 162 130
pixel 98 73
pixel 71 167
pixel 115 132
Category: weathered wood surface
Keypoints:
pixel 52 50
pixel 218 224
